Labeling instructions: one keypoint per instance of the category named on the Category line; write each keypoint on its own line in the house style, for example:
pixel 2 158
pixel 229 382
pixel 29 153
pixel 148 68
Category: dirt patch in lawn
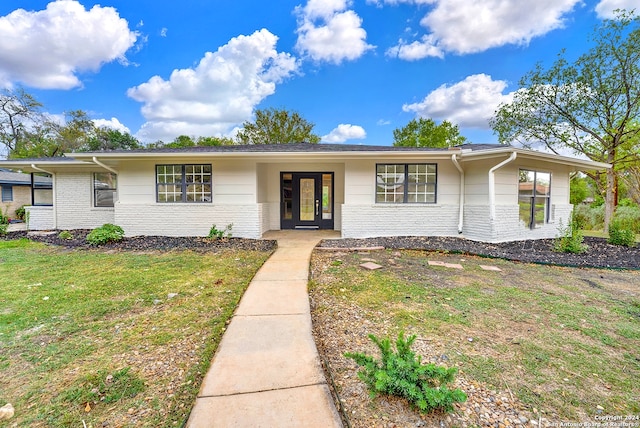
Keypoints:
pixel 534 344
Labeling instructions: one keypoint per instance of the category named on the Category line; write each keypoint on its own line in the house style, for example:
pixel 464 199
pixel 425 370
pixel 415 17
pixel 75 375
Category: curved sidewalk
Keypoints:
pixel 266 371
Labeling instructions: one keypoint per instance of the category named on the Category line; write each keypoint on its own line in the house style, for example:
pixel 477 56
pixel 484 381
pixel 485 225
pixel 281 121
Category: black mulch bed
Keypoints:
pixel 599 254
pixel 149 243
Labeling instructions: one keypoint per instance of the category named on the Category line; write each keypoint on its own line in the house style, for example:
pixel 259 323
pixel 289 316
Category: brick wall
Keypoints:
pixel 74 205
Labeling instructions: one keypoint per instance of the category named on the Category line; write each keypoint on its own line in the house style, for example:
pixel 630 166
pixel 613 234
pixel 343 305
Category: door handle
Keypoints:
pixel 317 207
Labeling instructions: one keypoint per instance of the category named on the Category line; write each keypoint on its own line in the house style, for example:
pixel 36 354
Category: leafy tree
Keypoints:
pixel 18 111
pixel 590 106
pixel 425 133
pixel 105 138
pixel 275 126
pixel 214 141
pixel 181 141
pixel 578 189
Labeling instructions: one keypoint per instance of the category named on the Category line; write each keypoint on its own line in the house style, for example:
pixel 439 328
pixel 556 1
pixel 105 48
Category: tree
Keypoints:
pixel 590 106
pixel 105 138
pixel 425 133
pixel 18 111
pixel 274 126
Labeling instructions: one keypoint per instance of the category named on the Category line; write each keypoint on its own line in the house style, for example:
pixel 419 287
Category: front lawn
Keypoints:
pixel 532 342
pixel 112 338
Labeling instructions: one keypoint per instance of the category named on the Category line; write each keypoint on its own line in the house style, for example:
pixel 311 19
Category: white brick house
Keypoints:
pixel 488 193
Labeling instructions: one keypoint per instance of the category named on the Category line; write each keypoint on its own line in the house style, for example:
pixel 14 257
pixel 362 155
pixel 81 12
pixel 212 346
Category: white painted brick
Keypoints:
pixel 39 217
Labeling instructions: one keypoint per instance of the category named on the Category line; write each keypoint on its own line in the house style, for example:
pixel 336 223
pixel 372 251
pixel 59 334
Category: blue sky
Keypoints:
pixel 357 69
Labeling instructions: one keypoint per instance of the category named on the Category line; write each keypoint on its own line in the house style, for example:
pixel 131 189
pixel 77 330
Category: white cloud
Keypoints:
pixel 344 132
pixel 605 9
pixel 112 123
pixel 163 32
pixel 427 47
pixel 469 26
pixel 47 48
pixel 218 94
pixel 329 32
pixel 469 103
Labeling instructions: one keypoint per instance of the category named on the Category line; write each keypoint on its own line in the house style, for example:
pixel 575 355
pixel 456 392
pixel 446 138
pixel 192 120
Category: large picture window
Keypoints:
pixel 534 191
pixel 406 183
pixel 105 186
pixel 183 183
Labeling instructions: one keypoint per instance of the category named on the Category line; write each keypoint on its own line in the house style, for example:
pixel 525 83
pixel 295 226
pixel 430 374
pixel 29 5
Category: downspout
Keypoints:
pixel 492 185
pixel 108 168
pixel 461 215
pixel 53 194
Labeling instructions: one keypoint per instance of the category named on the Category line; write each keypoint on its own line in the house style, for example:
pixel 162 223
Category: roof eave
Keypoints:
pixel 578 164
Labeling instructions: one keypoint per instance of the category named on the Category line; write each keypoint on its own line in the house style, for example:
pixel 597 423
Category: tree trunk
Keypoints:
pixel 610 199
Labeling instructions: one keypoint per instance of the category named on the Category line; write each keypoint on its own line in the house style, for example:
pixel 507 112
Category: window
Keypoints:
pixel 105 186
pixel 183 183
pixel 406 183
pixel 7 193
pixel 534 189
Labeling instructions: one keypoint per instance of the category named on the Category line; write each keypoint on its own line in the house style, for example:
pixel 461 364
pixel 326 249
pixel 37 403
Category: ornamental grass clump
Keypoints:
pixel 400 372
pixel 104 234
pixel 619 235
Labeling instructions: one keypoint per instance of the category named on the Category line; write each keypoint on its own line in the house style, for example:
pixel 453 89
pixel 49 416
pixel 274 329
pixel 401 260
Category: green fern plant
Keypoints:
pixel 400 372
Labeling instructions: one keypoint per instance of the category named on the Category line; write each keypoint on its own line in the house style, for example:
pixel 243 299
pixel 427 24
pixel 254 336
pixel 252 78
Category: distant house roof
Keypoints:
pixel 13 178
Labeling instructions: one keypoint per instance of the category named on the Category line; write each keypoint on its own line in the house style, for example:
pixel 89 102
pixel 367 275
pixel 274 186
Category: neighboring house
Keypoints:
pixel 17 190
pixel 481 192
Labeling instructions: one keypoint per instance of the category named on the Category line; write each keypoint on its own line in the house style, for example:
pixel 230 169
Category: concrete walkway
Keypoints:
pixel 266 371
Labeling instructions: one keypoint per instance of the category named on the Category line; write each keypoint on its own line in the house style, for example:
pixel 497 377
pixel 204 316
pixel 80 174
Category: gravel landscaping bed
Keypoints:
pixel 599 254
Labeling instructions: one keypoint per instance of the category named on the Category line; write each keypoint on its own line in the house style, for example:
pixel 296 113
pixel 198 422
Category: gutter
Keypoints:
pixel 108 168
pixel 53 191
pixel 492 184
pixel 461 215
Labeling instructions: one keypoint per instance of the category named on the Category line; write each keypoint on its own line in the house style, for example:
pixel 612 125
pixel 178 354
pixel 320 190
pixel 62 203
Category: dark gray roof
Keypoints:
pixel 299 148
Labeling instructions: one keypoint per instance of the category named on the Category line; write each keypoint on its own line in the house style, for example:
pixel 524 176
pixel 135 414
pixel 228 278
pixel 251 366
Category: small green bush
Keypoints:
pixel 3 229
pixel 619 235
pixel 628 216
pixel 570 239
pixel 401 373
pixel 4 219
pixel 215 233
pixel 21 212
pixel 104 234
pixel 65 234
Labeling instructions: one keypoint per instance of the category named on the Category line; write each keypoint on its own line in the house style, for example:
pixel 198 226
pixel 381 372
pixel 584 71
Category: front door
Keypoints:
pixel 306 200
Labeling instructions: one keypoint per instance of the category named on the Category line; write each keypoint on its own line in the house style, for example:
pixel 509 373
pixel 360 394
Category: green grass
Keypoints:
pixel 68 320
pixel 532 326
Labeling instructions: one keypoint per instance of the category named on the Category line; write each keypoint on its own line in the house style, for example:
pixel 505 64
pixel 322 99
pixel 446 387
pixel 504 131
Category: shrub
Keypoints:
pixel 3 229
pixel 628 216
pixel 401 373
pixel 104 234
pixel 4 219
pixel 215 233
pixel 570 239
pixel 619 235
pixel 21 212
pixel 65 234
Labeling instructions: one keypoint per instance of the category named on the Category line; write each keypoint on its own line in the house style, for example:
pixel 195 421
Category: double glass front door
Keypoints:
pixel 306 200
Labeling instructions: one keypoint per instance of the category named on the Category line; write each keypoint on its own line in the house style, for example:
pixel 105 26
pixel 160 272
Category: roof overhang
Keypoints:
pixel 575 163
pixel 87 160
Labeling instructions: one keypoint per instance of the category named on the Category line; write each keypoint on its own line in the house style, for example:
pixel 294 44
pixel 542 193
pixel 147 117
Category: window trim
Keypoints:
pixel 405 196
pixel 95 190
pixel 183 183
pixel 547 211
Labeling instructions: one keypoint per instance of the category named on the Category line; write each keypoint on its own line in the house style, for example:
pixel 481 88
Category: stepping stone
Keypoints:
pixel 370 266
pixel 435 263
pixel 492 268
pixel 453 265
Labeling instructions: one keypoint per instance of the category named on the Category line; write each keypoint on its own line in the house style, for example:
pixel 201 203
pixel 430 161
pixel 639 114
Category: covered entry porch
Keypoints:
pixel 301 196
